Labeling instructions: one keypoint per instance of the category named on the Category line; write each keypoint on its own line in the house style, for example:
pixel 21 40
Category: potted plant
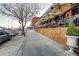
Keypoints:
pixel 72 35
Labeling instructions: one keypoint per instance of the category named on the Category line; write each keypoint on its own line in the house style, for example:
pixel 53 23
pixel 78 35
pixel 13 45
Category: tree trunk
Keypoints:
pixel 23 30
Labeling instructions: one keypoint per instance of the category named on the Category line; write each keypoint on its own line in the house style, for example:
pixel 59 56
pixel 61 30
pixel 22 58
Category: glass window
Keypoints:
pixel 1 33
pixel 76 21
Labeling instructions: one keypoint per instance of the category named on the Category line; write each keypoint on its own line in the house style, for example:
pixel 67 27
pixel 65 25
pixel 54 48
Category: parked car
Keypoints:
pixel 15 32
pixel 4 36
pixel 11 32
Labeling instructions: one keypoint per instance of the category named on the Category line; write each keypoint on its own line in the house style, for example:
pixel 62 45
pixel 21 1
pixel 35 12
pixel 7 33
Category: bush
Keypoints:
pixel 72 31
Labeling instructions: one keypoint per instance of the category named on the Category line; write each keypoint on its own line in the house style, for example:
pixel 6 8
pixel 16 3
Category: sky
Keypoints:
pixel 44 7
pixel 12 23
pixel 8 22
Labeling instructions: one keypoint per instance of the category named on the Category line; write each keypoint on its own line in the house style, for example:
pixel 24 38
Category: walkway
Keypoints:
pixel 36 44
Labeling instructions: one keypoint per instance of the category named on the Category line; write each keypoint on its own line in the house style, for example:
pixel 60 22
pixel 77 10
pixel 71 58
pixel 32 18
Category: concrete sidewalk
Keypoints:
pixel 36 44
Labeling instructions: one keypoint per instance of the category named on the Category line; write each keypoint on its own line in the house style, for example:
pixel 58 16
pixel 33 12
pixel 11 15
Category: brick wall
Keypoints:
pixel 34 20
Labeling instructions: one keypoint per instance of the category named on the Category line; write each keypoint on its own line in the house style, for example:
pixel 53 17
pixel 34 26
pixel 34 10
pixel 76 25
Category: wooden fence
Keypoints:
pixel 57 34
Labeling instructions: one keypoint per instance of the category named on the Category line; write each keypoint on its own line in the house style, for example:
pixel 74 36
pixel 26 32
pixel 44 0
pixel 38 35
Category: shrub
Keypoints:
pixel 72 31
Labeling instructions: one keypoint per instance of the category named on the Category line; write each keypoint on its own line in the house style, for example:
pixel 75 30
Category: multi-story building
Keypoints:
pixel 54 23
pixel 58 15
pixel 34 21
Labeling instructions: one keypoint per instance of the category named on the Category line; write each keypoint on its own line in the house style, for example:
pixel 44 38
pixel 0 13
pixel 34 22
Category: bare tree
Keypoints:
pixel 21 11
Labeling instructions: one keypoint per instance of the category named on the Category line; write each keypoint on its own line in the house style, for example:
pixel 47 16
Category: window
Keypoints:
pixel 1 33
pixel 76 21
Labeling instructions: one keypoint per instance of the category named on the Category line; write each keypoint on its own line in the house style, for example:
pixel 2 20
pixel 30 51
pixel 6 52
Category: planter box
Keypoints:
pixel 72 41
